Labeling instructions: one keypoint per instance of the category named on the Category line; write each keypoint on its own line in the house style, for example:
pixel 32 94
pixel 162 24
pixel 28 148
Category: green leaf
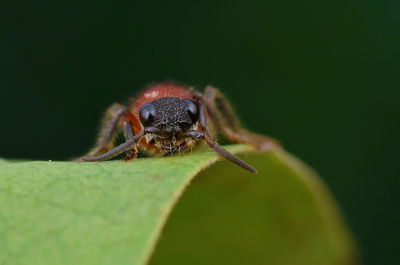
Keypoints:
pixel 2 161
pixel 113 212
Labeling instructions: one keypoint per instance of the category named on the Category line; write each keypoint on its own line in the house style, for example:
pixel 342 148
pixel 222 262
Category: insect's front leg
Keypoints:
pixel 111 122
pixel 129 133
pixel 108 130
pixel 224 118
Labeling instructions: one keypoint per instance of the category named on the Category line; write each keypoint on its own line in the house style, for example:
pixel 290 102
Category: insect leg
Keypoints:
pixel 226 121
pixel 108 129
pixel 129 133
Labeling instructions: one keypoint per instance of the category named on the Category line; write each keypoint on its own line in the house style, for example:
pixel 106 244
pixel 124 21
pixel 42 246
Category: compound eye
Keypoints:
pixel 192 109
pixel 146 114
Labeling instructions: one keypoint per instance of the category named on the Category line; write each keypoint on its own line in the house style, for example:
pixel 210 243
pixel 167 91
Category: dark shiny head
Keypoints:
pixel 172 116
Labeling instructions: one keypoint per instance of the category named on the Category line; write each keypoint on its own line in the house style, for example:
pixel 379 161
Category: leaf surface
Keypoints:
pixel 114 212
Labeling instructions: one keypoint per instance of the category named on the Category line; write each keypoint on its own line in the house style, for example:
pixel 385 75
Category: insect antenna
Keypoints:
pixel 231 157
pixel 117 150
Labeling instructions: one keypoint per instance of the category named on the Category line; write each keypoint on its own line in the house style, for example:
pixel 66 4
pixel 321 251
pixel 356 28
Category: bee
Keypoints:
pixel 169 118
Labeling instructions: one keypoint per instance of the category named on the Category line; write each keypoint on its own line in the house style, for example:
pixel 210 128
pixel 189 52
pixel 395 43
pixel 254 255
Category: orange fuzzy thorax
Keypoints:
pixel 161 90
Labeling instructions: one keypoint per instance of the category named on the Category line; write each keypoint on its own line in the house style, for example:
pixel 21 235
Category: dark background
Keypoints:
pixel 321 76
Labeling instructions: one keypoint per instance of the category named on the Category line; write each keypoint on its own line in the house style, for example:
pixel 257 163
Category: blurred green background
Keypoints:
pixel 321 76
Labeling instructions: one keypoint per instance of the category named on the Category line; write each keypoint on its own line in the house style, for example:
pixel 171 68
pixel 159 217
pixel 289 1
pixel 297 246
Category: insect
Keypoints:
pixel 169 118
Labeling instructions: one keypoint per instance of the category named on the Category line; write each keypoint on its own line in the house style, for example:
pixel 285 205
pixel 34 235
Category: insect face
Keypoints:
pixel 172 118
